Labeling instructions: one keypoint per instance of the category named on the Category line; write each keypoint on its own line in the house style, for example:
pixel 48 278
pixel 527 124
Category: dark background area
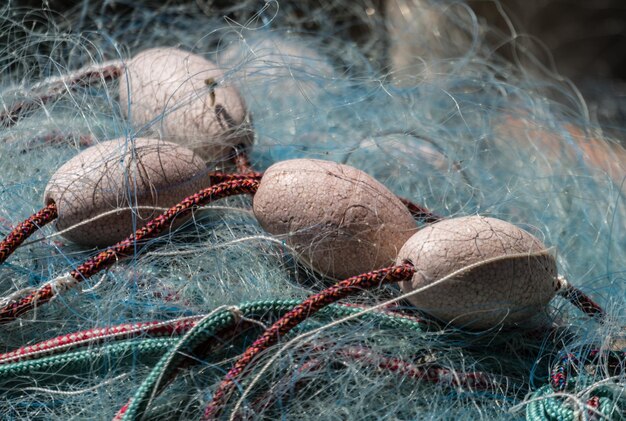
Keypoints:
pixel 587 39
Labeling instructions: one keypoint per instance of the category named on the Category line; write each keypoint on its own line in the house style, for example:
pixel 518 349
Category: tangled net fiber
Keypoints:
pixel 457 129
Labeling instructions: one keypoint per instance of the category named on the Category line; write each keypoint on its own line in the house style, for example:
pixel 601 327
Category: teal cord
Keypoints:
pixel 545 407
pixel 142 350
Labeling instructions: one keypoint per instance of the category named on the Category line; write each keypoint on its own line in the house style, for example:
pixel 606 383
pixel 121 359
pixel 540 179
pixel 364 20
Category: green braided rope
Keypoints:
pixel 544 407
pixel 225 318
pixel 142 349
pixel 541 408
pixel 156 347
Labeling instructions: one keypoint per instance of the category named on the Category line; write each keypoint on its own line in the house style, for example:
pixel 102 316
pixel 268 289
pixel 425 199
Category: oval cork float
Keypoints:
pixel 179 94
pixel 115 175
pixel 340 220
pixel 510 279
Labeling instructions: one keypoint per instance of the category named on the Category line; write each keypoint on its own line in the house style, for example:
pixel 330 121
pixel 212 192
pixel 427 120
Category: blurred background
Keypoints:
pixel 577 40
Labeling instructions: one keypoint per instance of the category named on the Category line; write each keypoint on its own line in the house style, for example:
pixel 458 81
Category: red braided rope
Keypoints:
pixel 432 373
pixel 126 247
pixel 124 331
pixel 220 177
pixel 26 229
pixel 420 212
pixel 300 313
pixel 582 301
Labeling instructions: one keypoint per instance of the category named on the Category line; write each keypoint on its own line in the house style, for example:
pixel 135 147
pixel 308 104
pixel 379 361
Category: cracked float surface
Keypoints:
pixel 341 221
pixel 505 273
